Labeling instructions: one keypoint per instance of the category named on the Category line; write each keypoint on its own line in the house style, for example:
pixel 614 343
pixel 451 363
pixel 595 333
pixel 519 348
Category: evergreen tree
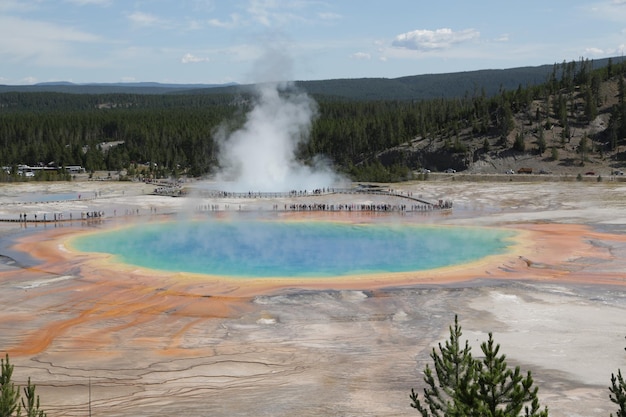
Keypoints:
pixel 463 386
pixel 503 392
pixel 583 148
pixel 618 393
pixel 612 136
pixel 445 392
pixel 591 105
pixel 554 153
pixel 560 109
pixel 30 402
pixel 486 145
pixel 541 141
pixel 565 134
pixel 506 120
pixel 9 394
pixel 519 144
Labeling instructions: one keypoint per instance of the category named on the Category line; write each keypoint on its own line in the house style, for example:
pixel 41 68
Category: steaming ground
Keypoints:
pixel 311 352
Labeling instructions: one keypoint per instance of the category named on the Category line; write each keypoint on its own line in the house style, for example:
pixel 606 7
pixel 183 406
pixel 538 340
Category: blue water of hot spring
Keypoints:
pixel 266 248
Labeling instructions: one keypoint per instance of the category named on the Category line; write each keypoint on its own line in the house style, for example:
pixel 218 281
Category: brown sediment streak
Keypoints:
pixel 100 302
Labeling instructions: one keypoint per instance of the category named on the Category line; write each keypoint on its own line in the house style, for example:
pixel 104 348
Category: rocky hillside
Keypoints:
pixel 562 154
pixel 568 159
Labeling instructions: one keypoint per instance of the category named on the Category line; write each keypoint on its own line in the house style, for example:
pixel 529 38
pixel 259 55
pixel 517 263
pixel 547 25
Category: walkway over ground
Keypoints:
pixel 315 193
pixel 298 201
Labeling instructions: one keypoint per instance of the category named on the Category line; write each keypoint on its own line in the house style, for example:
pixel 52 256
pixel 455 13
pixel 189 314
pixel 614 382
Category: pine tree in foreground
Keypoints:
pixel 10 395
pixel 30 402
pixel 618 393
pixel 464 386
pixel 453 369
pixel 502 391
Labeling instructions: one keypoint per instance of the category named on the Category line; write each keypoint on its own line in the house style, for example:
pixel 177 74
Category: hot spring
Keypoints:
pixel 293 249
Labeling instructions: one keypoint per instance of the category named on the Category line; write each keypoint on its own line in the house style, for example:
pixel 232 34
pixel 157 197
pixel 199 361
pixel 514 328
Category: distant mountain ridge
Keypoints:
pixel 109 88
pixel 425 86
pixel 415 87
pixel 147 84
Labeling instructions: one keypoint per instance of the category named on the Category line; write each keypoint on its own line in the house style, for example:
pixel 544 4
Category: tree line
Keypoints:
pixel 174 134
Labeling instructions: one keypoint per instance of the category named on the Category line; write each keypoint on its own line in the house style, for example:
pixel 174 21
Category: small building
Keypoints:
pixel 75 169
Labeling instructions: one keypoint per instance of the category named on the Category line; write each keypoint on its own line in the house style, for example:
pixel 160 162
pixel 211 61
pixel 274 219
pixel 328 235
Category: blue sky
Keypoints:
pixel 219 41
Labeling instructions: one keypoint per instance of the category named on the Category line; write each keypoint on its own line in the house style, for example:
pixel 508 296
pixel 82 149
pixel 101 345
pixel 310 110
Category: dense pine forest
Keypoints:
pixel 164 135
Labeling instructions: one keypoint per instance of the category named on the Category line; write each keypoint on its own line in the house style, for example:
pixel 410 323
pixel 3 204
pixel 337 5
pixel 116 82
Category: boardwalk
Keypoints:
pixel 217 200
pixel 305 200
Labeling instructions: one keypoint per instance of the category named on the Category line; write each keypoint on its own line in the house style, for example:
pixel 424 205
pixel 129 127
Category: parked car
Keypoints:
pixel 510 171
pixel 617 173
pixel 590 173
pixel 450 171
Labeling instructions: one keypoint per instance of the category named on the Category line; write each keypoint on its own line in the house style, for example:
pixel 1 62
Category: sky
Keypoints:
pixel 249 41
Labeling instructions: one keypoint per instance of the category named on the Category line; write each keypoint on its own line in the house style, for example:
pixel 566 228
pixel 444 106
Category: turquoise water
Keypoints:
pixel 293 249
pixel 44 197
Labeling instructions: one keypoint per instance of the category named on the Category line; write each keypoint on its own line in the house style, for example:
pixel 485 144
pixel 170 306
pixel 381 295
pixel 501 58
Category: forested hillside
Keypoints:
pixel 579 110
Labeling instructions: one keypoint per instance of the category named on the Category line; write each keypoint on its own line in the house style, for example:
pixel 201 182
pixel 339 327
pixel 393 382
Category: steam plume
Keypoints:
pixel 261 155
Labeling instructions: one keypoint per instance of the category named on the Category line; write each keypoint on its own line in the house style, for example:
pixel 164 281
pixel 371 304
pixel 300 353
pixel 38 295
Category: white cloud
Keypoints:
pixel 594 51
pixel 261 11
pixel 275 13
pixel 361 55
pixel 611 10
pixel 23 31
pixel 16 6
pixel 234 21
pixel 144 19
pixel 329 16
pixel 272 13
pixel 193 25
pixel 618 50
pixel 203 5
pixel 28 81
pixel 192 59
pixel 43 43
pixel 503 38
pixel 429 40
pixel 90 2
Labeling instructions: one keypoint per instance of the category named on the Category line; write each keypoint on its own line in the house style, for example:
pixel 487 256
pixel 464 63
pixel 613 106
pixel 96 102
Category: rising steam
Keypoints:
pixel 261 155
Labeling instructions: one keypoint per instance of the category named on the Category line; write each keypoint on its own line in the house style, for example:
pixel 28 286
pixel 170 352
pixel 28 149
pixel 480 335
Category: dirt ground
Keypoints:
pixel 102 339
